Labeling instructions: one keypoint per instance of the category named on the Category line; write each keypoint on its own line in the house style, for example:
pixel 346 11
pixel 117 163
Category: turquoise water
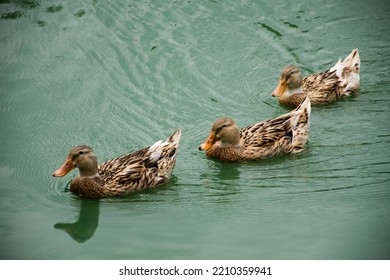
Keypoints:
pixel 120 75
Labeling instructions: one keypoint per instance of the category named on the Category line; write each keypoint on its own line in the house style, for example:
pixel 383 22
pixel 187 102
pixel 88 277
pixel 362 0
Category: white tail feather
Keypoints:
pixel 294 120
pixel 157 148
pixel 350 78
pixel 304 104
pixel 155 145
pixel 352 60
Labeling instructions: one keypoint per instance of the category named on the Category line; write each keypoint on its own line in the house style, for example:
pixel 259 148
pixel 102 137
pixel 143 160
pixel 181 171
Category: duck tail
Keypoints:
pixel 167 157
pixel 304 110
pixel 348 72
pixel 155 151
pixel 304 104
pixel 174 139
pixel 300 123
pixel 161 148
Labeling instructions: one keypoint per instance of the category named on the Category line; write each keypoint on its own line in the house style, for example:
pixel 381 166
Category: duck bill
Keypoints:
pixel 280 88
pixel 64 169
pixel 210 141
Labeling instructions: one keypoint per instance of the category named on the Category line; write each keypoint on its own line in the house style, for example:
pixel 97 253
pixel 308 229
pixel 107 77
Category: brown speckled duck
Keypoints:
pixel 341 80
pixel 146 168
pixel 285 134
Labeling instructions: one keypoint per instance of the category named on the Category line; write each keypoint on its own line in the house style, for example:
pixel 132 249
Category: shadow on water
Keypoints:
pixel 220 182
pixel 221 170
pixel 228 171
pixel 84 228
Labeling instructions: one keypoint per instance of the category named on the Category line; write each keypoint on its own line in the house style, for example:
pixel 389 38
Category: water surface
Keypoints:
pixel 120 75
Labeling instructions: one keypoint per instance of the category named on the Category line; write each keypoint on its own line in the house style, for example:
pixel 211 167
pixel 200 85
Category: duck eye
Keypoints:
pixel 222 127
pixel 81 152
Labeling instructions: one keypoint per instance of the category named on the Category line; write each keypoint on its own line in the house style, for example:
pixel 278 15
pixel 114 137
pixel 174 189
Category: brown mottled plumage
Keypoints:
pixel 285 134
pixel 322 88
pixel 146 168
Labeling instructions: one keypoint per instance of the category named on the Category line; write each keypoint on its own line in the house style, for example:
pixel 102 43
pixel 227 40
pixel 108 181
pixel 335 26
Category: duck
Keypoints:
pixel 146 168
pixel 285 134
pixel 341 80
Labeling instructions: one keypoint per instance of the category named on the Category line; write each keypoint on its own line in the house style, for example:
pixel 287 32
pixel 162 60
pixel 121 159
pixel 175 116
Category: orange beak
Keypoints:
pixel 64 169
pixel 280 88
pixel 210 141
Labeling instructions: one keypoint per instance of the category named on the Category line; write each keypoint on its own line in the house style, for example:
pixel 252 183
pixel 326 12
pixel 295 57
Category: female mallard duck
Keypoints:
pixel 285 134
pixel 322 88
pixel 146 168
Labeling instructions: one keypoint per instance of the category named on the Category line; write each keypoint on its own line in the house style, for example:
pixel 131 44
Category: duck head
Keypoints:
pixel 81 157
pixel 290 82
pixel 224 132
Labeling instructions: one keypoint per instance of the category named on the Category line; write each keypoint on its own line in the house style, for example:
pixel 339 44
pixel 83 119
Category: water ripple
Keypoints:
pixel 121 75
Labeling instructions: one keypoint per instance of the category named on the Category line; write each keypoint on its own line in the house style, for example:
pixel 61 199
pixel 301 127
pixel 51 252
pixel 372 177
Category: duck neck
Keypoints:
pixel 89 171
pixel 293 91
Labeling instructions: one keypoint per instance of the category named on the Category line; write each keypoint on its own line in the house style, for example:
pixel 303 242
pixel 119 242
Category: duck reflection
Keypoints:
pixel 228 171
pixel 223 171
pixel 221 182
pixel 84 228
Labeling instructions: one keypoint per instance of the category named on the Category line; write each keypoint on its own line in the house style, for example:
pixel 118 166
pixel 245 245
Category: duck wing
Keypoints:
pixel 269 132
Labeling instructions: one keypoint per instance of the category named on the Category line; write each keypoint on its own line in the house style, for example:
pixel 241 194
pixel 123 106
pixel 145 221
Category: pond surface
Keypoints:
pixel 120 75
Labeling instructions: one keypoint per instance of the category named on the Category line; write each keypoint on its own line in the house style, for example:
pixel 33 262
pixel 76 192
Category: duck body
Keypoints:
pixel 146 168
pixel 285 134
pixel 341 80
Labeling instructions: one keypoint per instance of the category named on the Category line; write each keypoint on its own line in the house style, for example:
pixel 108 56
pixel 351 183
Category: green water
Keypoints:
pixel 120 75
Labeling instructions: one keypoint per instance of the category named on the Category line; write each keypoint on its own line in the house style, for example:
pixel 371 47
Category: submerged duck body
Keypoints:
pixel 146 168
pixel 285 134
pixel 341 80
